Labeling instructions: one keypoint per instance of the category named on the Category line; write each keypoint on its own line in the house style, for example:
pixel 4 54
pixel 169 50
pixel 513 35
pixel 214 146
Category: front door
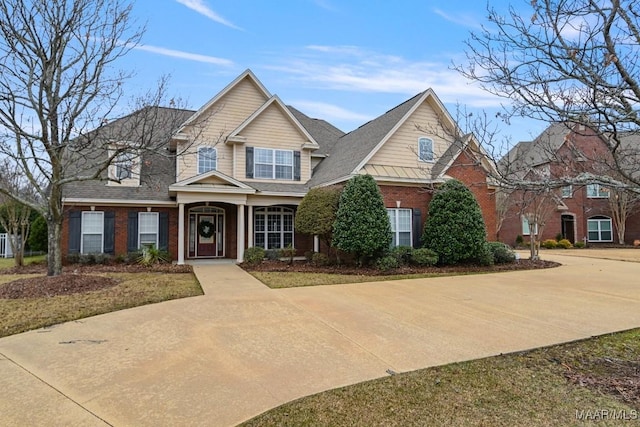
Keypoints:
pixel 568 227
pixel 206 232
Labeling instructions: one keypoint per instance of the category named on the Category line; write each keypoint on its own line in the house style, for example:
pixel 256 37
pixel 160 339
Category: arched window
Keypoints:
pixel 207 159
pixel 273 227
pixel 425 149
pixel 599 229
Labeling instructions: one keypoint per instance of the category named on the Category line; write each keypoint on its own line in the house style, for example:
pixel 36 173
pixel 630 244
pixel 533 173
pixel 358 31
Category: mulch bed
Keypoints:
pixel 75 278
pixel 306 267
pixel 620 378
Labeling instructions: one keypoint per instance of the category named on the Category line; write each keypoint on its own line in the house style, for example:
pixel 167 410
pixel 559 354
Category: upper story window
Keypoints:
pixel 273 164
pixel 596 191
pixel 125 168
pixel 567 192
pixel 207 159
pixel 124 164
pixel 425 149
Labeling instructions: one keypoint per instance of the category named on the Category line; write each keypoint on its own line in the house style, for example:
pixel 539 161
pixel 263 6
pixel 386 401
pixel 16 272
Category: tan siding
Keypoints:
pixel 272 129
pixel 224 116
pixel 401 148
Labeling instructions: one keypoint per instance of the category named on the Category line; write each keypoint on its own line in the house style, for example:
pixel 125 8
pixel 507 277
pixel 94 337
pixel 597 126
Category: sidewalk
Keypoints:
pixel 242 348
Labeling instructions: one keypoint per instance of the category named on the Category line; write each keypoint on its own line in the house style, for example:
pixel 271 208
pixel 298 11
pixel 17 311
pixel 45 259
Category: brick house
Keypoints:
pixel 579 213
pixel 241 165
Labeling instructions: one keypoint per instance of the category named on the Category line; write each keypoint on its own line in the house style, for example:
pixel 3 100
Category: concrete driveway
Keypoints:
pixel 242 348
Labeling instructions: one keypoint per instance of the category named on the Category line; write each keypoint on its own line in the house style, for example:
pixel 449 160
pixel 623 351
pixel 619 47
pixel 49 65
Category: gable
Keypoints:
pixel 401 148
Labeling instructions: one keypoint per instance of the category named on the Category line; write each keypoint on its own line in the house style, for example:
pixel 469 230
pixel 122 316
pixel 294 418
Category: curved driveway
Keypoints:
pixel 242 348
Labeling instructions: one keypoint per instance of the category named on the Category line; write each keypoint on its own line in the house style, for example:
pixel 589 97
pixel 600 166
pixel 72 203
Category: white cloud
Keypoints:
pixel 203 9
pixel 325 4
pixel 352 69
pixel 185 55
pixel 328 111
pixel 459 19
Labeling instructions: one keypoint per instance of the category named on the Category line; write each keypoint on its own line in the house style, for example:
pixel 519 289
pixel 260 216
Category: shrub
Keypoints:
pixel 564 244
pixel 254 255
pixel 519 240
pixel 362 225
pixel 402 254
pixel 549 244
pixel 424 257
pixel 272 254
pixel 579 245
pixel 455 229
pixel 485 256
pixel 317 212
pixel 38 239
pixel 309 255
pixel 152 255
pixel 558 237
pixel 288 252
pixel 502 253
pixel 320 259
pixel 388 262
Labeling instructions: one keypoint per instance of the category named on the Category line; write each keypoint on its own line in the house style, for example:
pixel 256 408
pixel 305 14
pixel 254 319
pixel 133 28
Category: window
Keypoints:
pixel 526 228
pixel 273 164
pixel 400 220
pixel 147 229
pixel 567 192
pixel 124 164
pixel 596 191
pixel 92 232
pixel 207 159
pixel 273 227
pixel 599 229
pixel 425 149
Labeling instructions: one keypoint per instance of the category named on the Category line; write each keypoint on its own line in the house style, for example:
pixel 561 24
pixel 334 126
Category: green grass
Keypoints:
pixel 10 262
pixel 134 289
pixel 286 279
pixel 520 389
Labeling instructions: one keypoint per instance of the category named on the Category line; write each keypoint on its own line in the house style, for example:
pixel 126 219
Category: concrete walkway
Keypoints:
pixel 241 349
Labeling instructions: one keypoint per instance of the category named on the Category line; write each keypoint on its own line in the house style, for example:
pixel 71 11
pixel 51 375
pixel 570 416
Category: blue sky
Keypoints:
pixel 344 61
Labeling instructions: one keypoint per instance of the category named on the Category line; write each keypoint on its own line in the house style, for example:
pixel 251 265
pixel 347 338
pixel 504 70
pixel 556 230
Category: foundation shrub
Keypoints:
pixel 564 244
pixel 424 257
pixel 254 255
pixel 549 244
pixel 502 253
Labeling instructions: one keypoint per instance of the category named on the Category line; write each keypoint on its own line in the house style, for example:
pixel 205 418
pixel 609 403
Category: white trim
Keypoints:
pixel 215 160
pixel 181 247
pixel 311 144
pixel 157 215
pixel 274 164
pixel 82 232
pixel 240 234
pixel 181 185
pixel 247 73
pixel 600 218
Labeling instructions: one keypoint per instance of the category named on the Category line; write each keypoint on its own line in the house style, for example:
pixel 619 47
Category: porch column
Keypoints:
pixel 240 234
pixel 316 243
pixel 250 227
pixel 180 233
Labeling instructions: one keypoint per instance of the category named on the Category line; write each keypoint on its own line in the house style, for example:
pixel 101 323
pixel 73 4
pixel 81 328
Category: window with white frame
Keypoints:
pixel 273 164
pixel 147 229
pixel 273 227
pixel 567 192
pixel 597 191
pixel 124 164
pixel 400 220
pixel 599 229
pixel 92 232
pixel 207 159
pixel 526 227
pixel 425 149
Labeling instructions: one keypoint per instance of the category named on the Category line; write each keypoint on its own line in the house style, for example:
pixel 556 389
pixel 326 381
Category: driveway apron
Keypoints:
pixel 242 348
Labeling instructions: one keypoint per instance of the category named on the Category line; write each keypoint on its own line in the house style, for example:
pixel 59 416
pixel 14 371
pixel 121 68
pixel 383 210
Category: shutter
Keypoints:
pixel 296 165
pixel 163 231
pixel 249 155
pixel 75 231
pixel 417 227
pixel 109 232
pixel 132 232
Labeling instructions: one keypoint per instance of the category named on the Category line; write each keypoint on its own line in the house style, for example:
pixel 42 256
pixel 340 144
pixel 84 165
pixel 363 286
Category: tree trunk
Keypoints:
pixel 620 228
pixel 54 255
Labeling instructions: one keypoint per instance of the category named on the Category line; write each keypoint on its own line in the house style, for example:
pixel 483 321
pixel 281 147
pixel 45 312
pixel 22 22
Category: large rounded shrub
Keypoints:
pixel 362 225
pixel 455 229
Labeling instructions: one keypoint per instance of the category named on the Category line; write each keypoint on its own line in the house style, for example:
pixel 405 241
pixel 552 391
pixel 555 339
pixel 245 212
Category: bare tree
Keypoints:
pixel 14 216
pixel 58 89
pixel 566 61
pixel 622 203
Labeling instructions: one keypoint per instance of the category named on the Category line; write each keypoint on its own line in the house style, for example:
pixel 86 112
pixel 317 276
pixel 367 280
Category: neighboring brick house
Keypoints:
pixel 242 164
pixel 579 213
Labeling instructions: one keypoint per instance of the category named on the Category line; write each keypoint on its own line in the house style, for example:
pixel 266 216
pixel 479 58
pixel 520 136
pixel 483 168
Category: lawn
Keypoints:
pixel 132 289
pixel 582 383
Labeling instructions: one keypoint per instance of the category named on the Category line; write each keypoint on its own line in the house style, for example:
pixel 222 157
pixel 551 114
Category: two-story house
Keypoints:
pixel 577 162
pixel 241 164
